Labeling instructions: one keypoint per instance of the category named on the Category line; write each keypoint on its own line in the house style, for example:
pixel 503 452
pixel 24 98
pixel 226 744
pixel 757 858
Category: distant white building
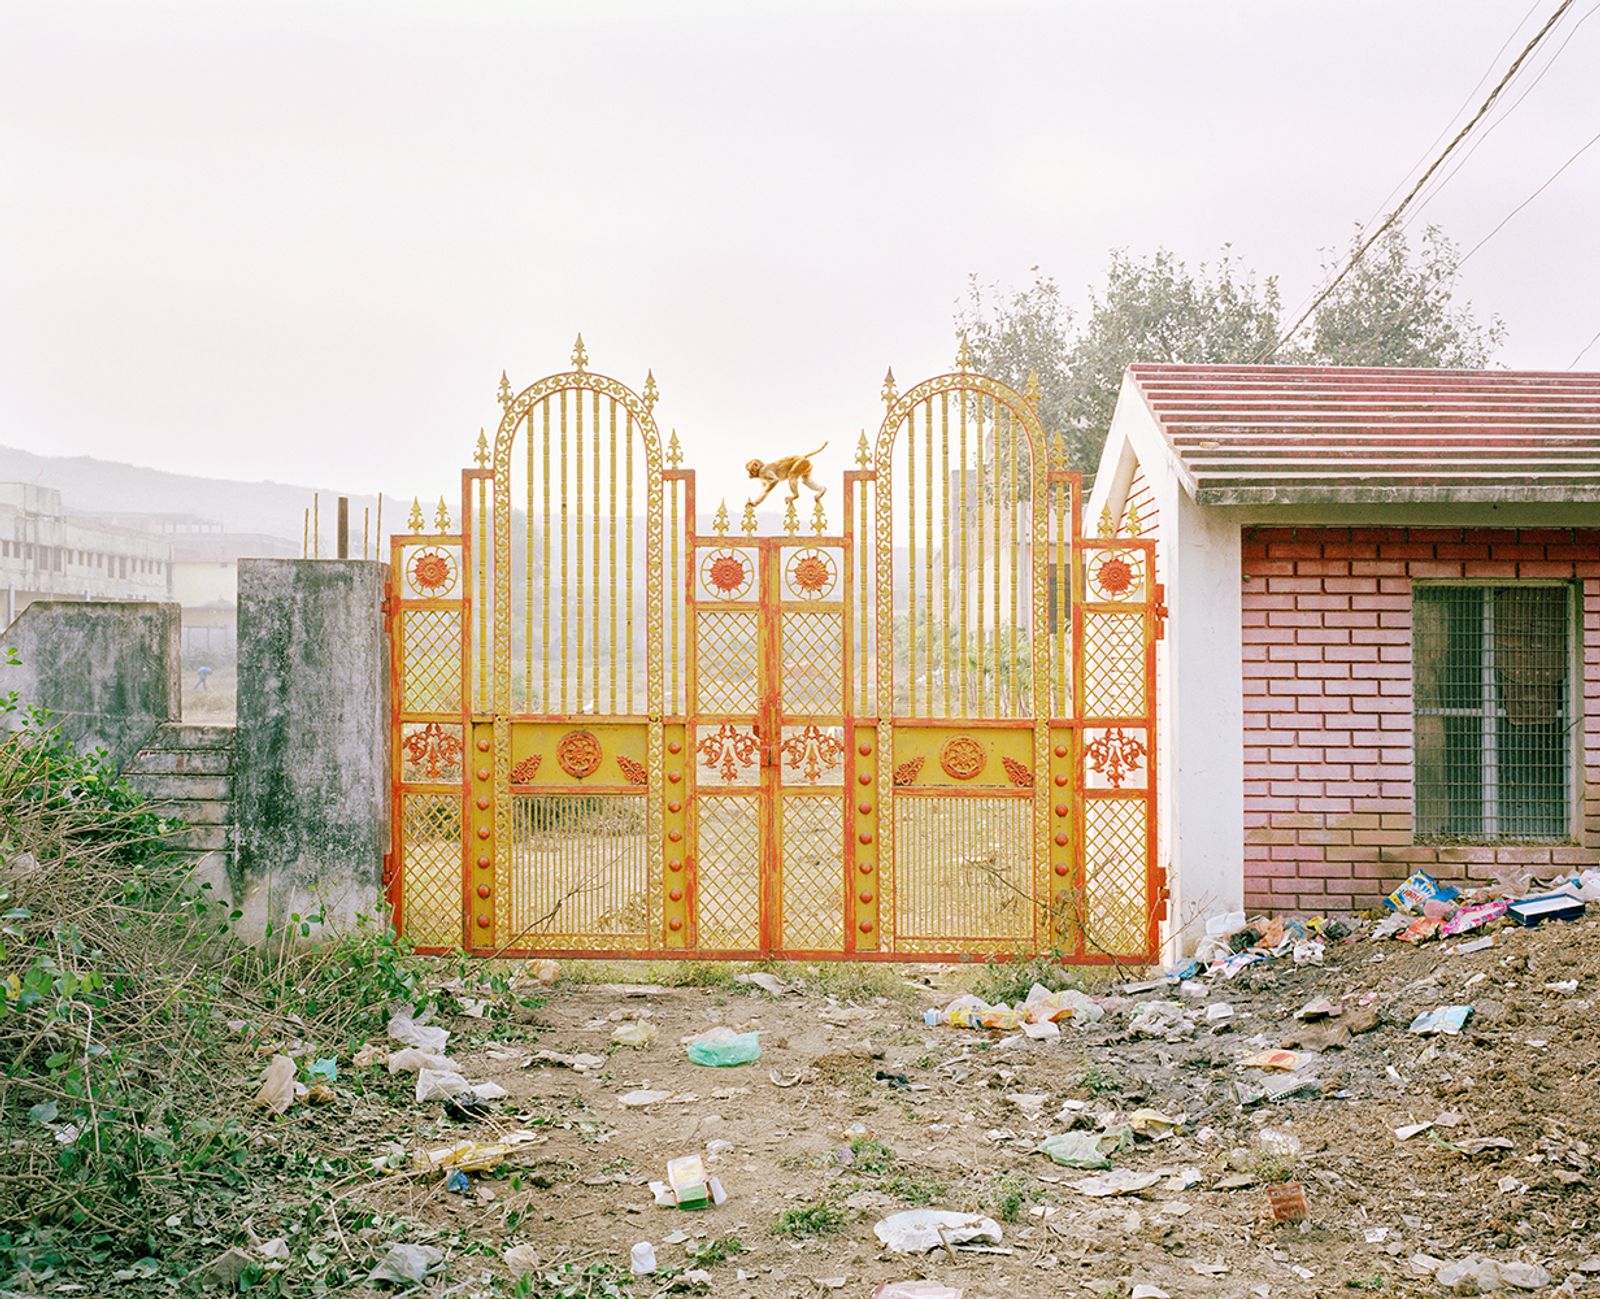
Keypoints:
pixel 47 554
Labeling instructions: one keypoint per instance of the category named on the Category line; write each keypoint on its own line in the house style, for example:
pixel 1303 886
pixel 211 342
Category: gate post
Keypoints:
pixel 311 778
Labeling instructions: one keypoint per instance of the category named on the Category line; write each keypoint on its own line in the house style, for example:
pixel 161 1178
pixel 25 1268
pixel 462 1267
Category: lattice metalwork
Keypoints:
pixel 812 867
pixel 430 663
pixel 430 836
pixel 581 874
pixel 963 874
pixel 1114 909
pixel 1113 668
pixel 813 663
pixel 726 679
pixel 727 887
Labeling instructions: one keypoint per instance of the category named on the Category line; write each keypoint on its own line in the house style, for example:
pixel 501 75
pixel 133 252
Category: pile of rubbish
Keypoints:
pixel 1040 1015
pixel 1424 909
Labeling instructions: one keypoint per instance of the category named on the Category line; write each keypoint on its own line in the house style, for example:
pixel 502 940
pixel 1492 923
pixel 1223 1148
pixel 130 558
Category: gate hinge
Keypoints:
pixel 1163 896
pixel 387 607
pixel 1159 609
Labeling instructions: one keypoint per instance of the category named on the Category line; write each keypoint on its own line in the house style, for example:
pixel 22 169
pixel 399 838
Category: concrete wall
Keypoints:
pixel 107 670
pixel 311 765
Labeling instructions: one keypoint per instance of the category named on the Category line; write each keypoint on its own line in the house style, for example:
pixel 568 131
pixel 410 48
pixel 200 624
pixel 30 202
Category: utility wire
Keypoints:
pixel 1585 349
pixel 1593 140
pixel 1434 166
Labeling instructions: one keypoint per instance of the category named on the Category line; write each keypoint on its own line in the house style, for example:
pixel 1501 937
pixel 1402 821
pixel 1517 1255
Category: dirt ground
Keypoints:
pixel 949 1132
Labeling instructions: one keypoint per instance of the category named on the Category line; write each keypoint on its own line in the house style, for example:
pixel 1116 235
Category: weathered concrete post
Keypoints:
pixel 311 784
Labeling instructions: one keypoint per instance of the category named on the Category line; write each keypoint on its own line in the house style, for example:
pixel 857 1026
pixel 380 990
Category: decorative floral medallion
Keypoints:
pixel 812 573
pixel 727 750
pixel 433 572
pixel 434 753
pixel 1018 774
pixel 1114 574
pixel 524 772
pixel 962 758
pixel 635 772
pixel 727 574
pixel 812 752
pixel 579 754
pixel 1116 755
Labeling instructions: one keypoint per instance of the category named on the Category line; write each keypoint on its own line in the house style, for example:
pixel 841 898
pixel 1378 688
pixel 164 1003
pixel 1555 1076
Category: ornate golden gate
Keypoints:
pixel 927 733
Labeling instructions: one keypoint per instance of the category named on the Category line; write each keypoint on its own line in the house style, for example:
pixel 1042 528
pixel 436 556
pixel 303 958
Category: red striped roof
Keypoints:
pixel 1280 433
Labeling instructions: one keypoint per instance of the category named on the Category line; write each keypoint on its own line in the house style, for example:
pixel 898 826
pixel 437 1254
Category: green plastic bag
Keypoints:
pixel 722 1047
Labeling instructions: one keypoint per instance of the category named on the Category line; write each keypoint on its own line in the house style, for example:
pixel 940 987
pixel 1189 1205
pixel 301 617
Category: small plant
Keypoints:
pixel 819 1219
pixel 1100 1082
pixel 570 1281
pixel 1006 1195
pixel 717 1251
pixel 871 1157
pixel 1373 1282
pixel 916 1193
pixel 1010 980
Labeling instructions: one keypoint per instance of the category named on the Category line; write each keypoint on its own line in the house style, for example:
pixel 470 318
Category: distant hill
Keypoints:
pixel 90 486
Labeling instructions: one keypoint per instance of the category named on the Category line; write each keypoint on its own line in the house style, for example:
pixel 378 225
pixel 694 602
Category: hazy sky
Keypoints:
pixel 300 241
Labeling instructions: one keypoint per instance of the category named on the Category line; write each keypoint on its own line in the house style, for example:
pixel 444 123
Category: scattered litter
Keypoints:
pixel 369 1055
pixel 1275 1141
pixel 1319 1008
pixel 633 1033
pixel 1530 912
pixel 642 1258
pixel 278 1087
pixel 407 1264
pixel 769 983
pixel 1473 917
pixel 721 1047
pixel 581 1063
pixel 411 1060
pixel 440 1084
pixel 1219 1011
pixel 1122 1182
pixel 1477 1273
pixel 1087 1150
pixel 522 1259
pixel 687 1185
pixel 1164 1019
pixel 409 1031
pixel 1476 945
pixel 1287 1201
pixel 1148 1292
pixel 1152 1124
pixel 916 1231
pixel 1412 1129
pixel 917 1290
pixel 475 1156
pixel 489 1091
pixel 545 971
pixel 1477 1145
pixel 1441 1019
pixel 1419 890
pixel 1277 1060
pixel 638 1100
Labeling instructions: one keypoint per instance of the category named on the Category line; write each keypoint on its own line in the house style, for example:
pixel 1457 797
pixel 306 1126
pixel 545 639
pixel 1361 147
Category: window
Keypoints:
pixel 1493 695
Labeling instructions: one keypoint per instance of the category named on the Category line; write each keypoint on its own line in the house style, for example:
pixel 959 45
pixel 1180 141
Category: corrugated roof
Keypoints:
pixel 1285 434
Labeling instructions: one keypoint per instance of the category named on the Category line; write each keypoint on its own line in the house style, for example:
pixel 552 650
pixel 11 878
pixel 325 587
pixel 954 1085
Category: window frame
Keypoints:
pixel 1490 738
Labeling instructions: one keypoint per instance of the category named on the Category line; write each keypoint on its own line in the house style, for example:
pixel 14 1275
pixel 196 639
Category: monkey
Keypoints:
pixel 794 470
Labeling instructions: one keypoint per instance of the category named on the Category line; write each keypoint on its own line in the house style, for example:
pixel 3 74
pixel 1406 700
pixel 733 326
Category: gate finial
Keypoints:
pixel 888 393
pixel 1030 390
pixel 747 525
pixel 504 393
pixel 674 451
pixel 791 519
pixel 719 524
pixel 580 357
pixel 963 356
pixel 1058 451
pixel 441 517
pixel 651 392
pixel 1108 525
pixel 481 454
pixel 414 520
pixel 819 517
pixel 863 453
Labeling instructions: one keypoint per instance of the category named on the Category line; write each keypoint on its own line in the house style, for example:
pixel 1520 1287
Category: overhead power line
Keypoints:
pixel 1395 214
pixel 1593 140
pixel 1584 350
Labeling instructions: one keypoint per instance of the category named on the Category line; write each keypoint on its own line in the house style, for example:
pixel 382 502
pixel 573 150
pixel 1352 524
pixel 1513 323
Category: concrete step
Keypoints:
pixel 190 735
pixel 167 787
pixel 195 811
pixel 200 762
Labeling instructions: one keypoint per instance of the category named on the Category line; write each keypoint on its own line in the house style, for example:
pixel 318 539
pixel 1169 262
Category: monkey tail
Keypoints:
pixel 818 451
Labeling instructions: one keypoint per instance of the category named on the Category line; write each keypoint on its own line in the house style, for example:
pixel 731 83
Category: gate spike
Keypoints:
pixel 963 356
pixel 791 519
pixel 863 453
pixel 414 520
pixel 504 394
pixel 719 524
pixel 1030 390
pixel 481 455
pixel 580 357
pixel 651 392
pixel 819 518
pixel 1133 519
pixel 441 517
pixel 1108 527
pixel 888 392
pixel 674 451
pixel 1058 451
pixel 747 524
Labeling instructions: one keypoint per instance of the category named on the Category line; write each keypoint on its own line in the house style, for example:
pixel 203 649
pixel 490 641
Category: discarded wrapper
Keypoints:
pixel 1529 912
pixel 1441 1019
pixel 1287 1201
pixel 1418 891
pixel 687 1186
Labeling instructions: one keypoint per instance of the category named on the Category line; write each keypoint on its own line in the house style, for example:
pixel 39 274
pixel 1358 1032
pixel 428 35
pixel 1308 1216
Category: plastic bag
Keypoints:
pixel 918 1230
pixel 406 1030
pixel 721 1047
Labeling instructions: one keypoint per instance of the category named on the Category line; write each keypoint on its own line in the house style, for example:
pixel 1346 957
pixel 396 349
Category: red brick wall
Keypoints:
pixel 1327 704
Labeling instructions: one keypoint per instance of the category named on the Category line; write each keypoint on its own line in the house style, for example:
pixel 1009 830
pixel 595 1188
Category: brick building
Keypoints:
pixel 1383 642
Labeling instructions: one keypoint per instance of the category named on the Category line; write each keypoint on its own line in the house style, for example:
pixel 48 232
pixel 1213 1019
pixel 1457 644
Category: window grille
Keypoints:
pixel 1493 697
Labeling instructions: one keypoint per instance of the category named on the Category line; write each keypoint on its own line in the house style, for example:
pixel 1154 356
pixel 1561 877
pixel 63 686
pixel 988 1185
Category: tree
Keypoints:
pixel 1396 310
pixel 1154 309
